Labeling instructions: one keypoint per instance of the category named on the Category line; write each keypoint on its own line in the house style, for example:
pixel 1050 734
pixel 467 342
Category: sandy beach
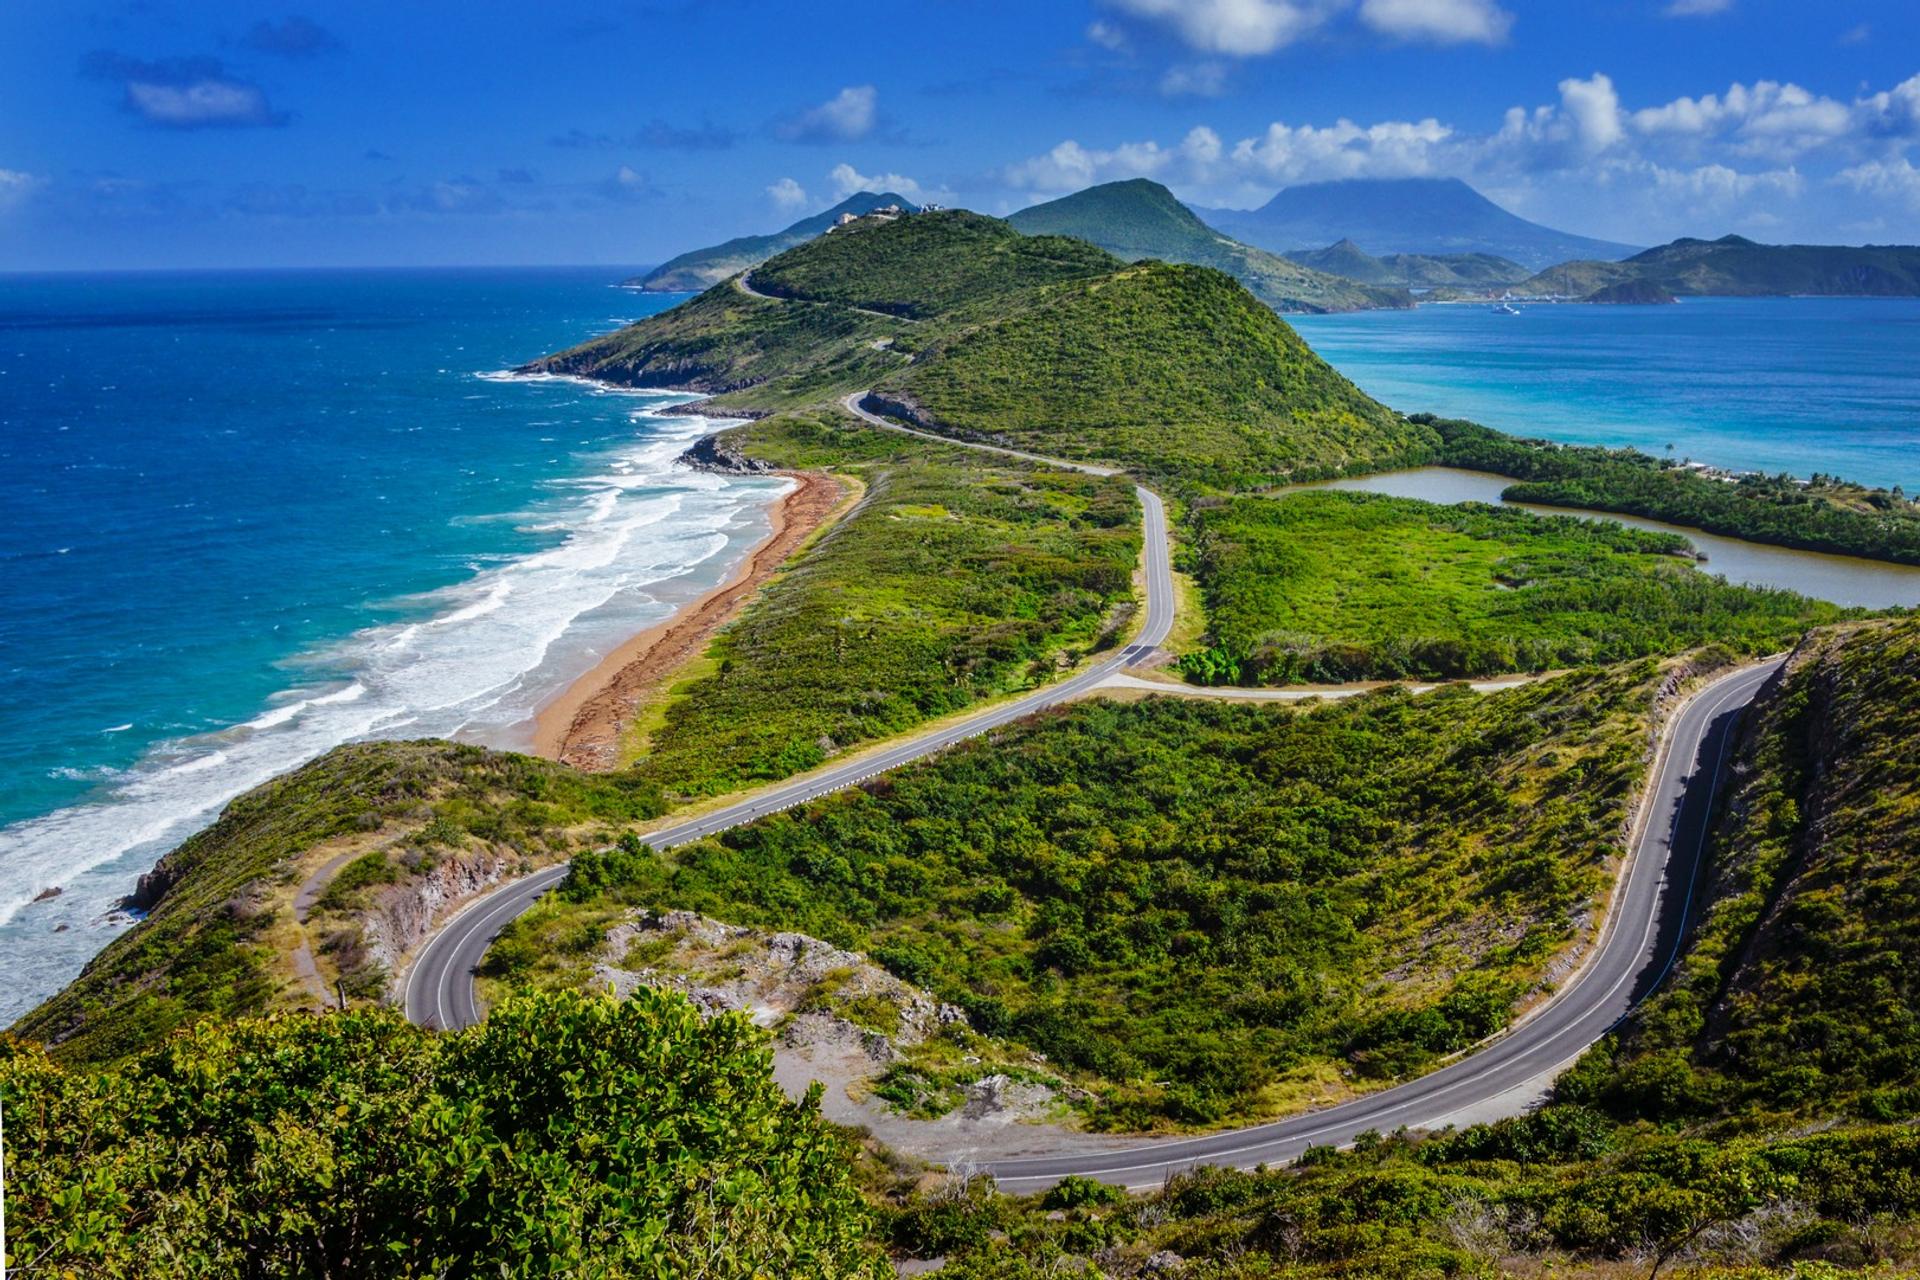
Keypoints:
pixel 583 725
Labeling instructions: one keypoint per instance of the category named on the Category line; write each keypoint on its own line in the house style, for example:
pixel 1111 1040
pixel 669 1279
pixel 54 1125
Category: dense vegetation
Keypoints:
pixel 214 939
pixel 1826 514
pixel 928 265
pixel 970 328
pixel 959 576
pixel 1562 1194
pixel 1330 586
pixel 1176 372
pixel 1411 270
pixel 1734 266
pixel 699 269
pixel 1799 992
pixel 761 355
pixel 1139 218
pixel 570 1135
pixel 1210 911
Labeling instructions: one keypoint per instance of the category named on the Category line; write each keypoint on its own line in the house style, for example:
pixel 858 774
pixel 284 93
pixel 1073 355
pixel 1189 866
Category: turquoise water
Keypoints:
pixel 251 516
pixel 1772 384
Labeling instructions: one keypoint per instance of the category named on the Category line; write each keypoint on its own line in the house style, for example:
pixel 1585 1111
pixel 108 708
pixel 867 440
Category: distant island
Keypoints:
pixel 699 269
pixel 1734 266
pixel 1141 219
pixel 1411 270
pixel 1404 215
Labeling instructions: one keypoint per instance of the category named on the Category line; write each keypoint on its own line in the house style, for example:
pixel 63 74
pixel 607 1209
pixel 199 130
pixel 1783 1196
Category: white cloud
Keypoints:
pixel 1896 179
pixel 788 195
pixel 1239 28
pixel 15 187
pixel 845 117
pixel 1697 8
pixel 1107 36
pixel 200 104
pixel 1594 108
pixel 1194 80
pixel 846 180
pixel 1070 166
pixel 1305 153
pixel 1440 21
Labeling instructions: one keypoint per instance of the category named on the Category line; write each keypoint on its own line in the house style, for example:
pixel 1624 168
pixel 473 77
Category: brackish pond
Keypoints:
pixel 1842 579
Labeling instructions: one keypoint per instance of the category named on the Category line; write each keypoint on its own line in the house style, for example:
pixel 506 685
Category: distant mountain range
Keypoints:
pixel 1140 219
pixel 703 268
pixel 1734 266
pixel 1412 270
pixel 1404 215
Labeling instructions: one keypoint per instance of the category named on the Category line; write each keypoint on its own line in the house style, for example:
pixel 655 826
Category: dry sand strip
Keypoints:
pixel 583 725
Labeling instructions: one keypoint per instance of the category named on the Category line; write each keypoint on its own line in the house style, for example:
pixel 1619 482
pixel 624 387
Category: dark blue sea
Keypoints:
pixel 247 517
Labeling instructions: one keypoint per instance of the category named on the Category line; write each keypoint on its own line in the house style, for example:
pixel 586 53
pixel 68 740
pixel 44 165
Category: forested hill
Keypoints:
pixel 968 327
pixel 697 269
pixel 1140 218
pixel 1734 266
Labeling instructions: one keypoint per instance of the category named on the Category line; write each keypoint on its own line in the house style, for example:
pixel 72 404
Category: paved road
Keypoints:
pixel 440 986
pixel 1645 927
pixel 1649 919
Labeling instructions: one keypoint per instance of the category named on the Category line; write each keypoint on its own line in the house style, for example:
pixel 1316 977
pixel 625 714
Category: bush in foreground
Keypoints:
pixel 570 1135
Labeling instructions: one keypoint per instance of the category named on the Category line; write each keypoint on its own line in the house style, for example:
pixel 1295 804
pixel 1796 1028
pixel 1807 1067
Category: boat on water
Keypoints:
pixel 1504 308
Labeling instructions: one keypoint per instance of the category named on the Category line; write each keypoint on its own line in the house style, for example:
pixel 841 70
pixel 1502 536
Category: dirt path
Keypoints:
pixel 309 893
pixel 583 726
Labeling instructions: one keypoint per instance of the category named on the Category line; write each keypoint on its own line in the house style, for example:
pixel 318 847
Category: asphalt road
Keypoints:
pixel 440 987
pixel 1646 923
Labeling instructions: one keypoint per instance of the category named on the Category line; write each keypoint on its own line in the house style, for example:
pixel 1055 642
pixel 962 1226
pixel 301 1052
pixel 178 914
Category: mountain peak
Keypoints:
pixel 1404 215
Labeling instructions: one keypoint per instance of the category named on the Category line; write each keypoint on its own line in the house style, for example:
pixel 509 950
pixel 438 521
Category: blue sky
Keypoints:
pixel 214 133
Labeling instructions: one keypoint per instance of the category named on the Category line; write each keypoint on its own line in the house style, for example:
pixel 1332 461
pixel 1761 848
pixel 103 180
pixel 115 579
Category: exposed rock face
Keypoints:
pixel 716 453
pixel 402 916
pixel 773 978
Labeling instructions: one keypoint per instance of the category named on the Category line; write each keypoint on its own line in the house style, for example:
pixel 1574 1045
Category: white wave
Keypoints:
pixel 631 534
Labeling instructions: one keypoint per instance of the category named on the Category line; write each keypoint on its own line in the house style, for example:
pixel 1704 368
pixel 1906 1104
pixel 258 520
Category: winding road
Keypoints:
pixel 1644 927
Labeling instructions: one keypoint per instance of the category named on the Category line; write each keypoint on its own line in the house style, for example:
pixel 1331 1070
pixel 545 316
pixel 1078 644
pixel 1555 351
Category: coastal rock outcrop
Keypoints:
pixel 717 453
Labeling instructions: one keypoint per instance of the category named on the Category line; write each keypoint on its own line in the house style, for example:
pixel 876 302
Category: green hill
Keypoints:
pixel 1173 371
pixel 699 269
pixel 1735 267
pixel 969 327
pixel 1141 219
pixel 926 266
pixel 1411 270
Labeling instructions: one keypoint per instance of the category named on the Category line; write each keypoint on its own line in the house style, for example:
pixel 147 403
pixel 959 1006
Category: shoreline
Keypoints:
pixel 583 724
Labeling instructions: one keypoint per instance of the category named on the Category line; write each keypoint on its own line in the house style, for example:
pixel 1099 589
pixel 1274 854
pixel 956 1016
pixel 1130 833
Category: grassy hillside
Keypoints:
pixel 699 269
pixel 927 265
pixel 1208 911
pixel 1411 270
pixel 1140 218
pixel 971 328
pixel 1824 513
pixel 1326 585
pixel 958 577
pixel 782 353
pixel 1798 994
pixel 1174 371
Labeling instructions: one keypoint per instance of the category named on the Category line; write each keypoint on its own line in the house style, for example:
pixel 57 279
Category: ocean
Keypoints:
pixel 250 516
pixel 1770 384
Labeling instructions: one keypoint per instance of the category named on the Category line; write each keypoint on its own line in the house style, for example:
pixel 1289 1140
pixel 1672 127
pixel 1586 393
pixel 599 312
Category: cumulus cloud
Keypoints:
pixel 1438 21
pixel 295 37
pixel 847 116
pixel 1755 156
pixel 846 180
pixel 629 184
pixel 1895 179
pixel 788 195
pixel 184 93
pixel 1238 28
